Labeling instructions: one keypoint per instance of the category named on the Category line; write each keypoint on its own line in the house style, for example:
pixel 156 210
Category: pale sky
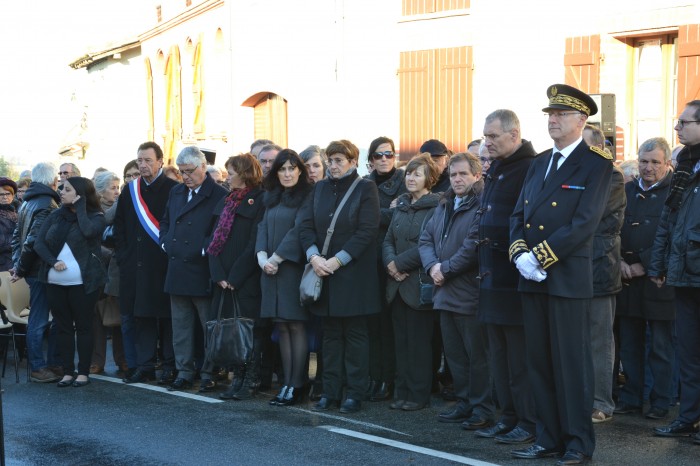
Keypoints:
pixel 39 39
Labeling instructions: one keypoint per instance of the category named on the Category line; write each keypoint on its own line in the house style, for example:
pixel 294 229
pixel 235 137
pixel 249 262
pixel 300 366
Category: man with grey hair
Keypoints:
pixel 500 306
pixel 258 144
pixel 184 230
pixel 640 305
pixel 267 156
pixel 40 200
pixel 68 170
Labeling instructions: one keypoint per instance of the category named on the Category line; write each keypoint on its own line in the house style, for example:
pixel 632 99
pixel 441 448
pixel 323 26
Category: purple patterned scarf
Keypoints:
pixel 233 200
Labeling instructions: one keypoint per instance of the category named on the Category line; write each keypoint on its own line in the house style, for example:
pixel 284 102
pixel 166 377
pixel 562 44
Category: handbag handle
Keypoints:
pixel 236 307
pixel 331 228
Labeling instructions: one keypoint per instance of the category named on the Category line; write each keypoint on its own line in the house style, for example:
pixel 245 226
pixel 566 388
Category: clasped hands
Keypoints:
pixel 324 267
pixel 529 267
pixel 394 272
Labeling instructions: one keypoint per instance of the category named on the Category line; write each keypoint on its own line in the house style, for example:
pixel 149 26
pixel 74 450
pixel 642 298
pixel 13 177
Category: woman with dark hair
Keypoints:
pixel 131 171
pixel 413 324
pixel 390 185
pixel 232 261
pixel 8 221
pixel 282 261
pixel 69 246
pixel 350 291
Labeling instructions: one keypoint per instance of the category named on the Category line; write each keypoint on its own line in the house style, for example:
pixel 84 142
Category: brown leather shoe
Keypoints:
pixel 43 375
pixel 95 369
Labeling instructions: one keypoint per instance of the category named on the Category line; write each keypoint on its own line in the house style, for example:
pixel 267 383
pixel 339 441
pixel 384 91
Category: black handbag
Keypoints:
pixel 229 341
pixel 426 290
pixel 310 286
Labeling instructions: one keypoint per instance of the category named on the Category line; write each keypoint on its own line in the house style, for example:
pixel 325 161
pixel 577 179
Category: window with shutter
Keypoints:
pixel 198 92
pixel 270 116
pixel 149 101
pixel 582 63
pixel 173 104
pixel 688 64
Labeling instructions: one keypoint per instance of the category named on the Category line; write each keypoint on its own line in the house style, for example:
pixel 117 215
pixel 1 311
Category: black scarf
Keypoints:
pixel 687 159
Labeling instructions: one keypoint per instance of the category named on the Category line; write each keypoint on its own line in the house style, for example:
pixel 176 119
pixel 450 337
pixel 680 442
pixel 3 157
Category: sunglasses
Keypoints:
pixel 378 155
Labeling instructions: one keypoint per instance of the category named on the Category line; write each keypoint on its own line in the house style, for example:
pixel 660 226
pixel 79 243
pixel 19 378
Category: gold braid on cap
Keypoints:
pixel 562 99
pixel 544 254
pixel 518 247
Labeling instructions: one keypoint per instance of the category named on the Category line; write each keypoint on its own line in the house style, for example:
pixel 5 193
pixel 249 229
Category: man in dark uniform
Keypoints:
pixel 499 300
pixel 143 264
pixel 551 233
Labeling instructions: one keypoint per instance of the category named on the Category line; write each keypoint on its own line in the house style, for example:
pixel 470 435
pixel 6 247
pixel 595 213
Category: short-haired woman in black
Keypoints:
pixel 69 246
pixel 282 261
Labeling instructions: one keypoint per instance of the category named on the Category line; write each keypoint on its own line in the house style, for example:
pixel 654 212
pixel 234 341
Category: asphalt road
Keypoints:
pixel 110 423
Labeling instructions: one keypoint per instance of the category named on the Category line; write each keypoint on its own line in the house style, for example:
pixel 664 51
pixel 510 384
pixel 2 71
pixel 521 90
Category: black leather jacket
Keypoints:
pixel 39 201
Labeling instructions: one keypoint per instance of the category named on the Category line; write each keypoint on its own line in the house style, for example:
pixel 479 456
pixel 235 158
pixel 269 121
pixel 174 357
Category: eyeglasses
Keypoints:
pixel 5 194
pixel 484 160
pixel 682 123
pixel 189 172
pixel 378 155
pixel 560 114
pixel 129 176
pixel 64 173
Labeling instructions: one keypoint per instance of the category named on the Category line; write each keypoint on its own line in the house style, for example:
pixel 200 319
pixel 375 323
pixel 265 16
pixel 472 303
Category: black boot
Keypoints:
pixel 236 383
pixel 251 379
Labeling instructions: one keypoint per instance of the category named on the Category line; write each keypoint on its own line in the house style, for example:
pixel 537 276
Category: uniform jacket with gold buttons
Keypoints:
pixel 556 220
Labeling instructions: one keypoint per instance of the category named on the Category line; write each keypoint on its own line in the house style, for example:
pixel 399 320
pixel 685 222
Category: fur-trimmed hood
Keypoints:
pixel 293 197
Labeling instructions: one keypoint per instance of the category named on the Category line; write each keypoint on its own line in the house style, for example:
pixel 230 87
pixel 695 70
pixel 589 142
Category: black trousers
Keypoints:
pixel 73 310
pixel 509 372
pixel 382 363
pixel 688 331
pixel 413 333
pixel 560 367
pixel 345 353
pixel 149 331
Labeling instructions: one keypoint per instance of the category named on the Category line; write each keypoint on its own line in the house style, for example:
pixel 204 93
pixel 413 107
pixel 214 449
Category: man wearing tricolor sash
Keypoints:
pixel 143 265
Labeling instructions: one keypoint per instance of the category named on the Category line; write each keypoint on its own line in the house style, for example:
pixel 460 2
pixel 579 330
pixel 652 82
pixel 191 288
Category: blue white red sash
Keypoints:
pixel 146 218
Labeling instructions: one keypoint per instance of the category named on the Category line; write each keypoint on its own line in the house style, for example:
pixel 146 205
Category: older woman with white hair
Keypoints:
pixel 107 186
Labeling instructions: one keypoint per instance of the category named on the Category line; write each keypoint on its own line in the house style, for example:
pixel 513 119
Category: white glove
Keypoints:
pixel 539 275
pixel 262 259
pixel 529 267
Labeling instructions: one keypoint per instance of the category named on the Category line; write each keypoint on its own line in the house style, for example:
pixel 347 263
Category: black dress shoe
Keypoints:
pixel 624 408
pixel 515 436
pixel 457 414
pixel 350 405
pixel 656 413
pixel 324 404
pixel 81 383
pixel 180 384
pixel 676 429
pixel 490 432
pixel 279 397
pixel 534 452
pixel 206 385
pixel 140 376
pixel 382 392
pixel 572 457
pixel 292 396
pixel 476 422
pixel 413 406
pixel 167 377
pixel 316 391
pixel 65 383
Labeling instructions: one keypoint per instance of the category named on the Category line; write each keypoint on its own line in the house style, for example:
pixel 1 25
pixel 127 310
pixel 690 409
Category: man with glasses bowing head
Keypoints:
pixel 551 235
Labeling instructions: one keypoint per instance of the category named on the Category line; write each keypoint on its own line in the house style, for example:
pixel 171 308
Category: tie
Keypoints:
pixel 555 161
pixel 191 195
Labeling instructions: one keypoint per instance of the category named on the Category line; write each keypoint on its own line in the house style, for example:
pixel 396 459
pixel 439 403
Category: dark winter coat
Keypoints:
pixel 353 289
pixel 84 240
pixel 142 262
pixel 237 264
pixel 401 246
pixel 185 232
pixel 607 276
pixel 279 233
pixel 443 182
pixel 450 238
pixel 39 201
pixel 8 224
pixel 640 297
pixel 499 300
pixel 676 253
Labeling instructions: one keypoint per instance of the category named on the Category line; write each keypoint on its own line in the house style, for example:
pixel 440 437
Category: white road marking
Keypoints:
pixel 409 447
pixel 348 420
pixel 155 388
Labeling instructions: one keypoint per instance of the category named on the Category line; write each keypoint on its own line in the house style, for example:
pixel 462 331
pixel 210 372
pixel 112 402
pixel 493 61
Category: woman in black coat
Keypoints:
pixel 282 261
pixel 232 262
pixel 350 289
pixel 8 221
pixel 69 245
pixel 390 185
pixel 413 324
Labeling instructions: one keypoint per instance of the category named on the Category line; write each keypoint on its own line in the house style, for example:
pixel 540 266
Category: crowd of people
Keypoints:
pixel 518 285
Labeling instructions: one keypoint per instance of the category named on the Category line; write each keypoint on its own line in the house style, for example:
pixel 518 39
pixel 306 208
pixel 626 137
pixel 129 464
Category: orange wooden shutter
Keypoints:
pixel 270 115
pixel 454 97
pixel 582 63
pixel 198 92
pixel 149 101
pixel 688 64
pixel 173 104
pixel 417 100
pixel 421 7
